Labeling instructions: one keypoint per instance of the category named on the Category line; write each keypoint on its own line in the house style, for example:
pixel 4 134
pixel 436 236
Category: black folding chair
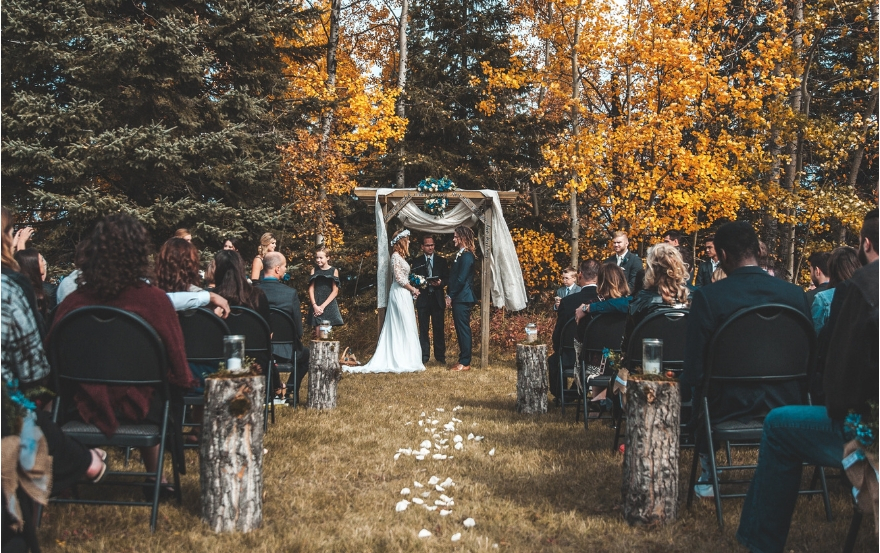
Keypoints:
pixel 285 342
pixel 110 346
pixel 257 344
pixel 567 368
pixel 770 344
pixel 601 332
pixel 669 325
pixel 203 333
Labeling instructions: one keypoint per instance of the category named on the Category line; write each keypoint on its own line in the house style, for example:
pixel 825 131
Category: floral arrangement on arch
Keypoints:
pixel 436 203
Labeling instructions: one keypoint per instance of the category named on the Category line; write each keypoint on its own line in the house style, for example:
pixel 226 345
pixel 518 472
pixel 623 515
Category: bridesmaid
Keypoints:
pixel 267 244
pixel 323 289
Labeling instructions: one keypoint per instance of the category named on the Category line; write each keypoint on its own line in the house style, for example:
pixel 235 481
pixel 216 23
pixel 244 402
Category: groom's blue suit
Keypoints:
pixel 460 289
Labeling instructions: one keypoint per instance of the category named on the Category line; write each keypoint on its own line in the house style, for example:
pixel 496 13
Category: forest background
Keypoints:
pixel 240 117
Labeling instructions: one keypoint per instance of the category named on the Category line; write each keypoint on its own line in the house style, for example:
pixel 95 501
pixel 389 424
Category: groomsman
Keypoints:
pixel 431 304
pixel 460 296
pixel 625 259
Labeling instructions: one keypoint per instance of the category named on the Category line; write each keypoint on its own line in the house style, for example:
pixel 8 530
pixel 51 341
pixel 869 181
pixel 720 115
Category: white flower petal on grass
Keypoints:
pixel 405 491
pixel 448 482
pixel 458 446
pixel 492 451
pixel 439 489
pixel 423 414
pixel 469 523
pixel 440 502
pixel 401 505
pixel 418 501
pixel 426 494
pixel 430 507
pixel 424 451
pixel 449 426
pixel 417 484
pixel 421 423
pixel 456 536
pixel 444 513
pixel 444 497
pixel 478 438
pixel 420 457
pixel 455 419
pixel 426 443
pixel 457 439
pixel 433 481
pixel 470 436
pixel 396 456
pixel 424 533
pixel 408 423
pixel 441 410
pixel 435 422
pixel 443 441
pixel 438 456
pixel 457 408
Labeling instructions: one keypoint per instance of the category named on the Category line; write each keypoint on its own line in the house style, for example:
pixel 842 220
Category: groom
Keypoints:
pixel 460 294
pixel 431 304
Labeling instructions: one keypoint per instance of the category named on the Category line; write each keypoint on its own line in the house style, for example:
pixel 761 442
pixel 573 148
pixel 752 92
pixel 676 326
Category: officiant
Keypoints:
pixel 431 303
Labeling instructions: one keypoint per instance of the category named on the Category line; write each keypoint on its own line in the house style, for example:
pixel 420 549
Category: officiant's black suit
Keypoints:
pixel 431 306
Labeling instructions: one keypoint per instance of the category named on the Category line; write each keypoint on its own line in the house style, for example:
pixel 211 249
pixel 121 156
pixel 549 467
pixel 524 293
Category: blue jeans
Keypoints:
pixel 793 435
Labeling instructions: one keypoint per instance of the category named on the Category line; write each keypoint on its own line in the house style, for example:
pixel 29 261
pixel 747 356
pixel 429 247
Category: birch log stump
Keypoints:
pixel 324 374
pixel 650 463
pixel 231 469
pixel 531 379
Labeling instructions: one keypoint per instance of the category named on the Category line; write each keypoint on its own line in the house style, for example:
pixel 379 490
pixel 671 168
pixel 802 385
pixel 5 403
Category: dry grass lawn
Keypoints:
pixel 331 484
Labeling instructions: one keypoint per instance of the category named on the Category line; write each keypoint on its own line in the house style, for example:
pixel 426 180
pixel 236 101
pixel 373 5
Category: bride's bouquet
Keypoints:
pixel 417 280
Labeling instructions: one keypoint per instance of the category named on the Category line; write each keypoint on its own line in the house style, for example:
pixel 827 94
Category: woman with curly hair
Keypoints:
pixel 267 244
pixel 665 287
pixel 116 273
pixel 177 266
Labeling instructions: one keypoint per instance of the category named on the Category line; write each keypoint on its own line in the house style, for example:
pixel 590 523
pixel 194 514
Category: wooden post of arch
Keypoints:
pixel 486 292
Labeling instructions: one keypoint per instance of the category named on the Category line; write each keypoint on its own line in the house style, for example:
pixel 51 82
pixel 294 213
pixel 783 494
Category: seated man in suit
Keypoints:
pixel 746 285
pixel 817 434
pixel 625 259
pixel 587 277
pixel 285 298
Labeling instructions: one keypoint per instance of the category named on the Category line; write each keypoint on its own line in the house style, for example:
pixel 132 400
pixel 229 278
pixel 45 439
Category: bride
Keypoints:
pixel 399 350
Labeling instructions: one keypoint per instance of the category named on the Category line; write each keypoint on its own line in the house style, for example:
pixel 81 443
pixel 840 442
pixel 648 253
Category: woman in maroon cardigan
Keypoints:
pixel 116 274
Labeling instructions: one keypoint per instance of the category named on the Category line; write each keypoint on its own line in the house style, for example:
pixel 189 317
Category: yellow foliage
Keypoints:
pixel 538 253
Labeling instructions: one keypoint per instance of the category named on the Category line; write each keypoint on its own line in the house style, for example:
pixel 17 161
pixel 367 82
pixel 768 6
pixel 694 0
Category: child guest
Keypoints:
pixel 323 289
pixel 569 286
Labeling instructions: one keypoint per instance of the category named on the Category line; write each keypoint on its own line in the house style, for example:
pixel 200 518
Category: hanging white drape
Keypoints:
pixel 508 287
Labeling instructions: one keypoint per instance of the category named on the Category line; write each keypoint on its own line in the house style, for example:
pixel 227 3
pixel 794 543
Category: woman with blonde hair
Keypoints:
pixel 665 287
pixel 398 350
pixel 267 244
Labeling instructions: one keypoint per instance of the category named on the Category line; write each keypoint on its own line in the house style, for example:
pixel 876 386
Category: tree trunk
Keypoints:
pixel 531 379
pixel 327 116
pixel 324 374
pixel 401 85
pixel 231 465
pixel 575 132
pixel 650 463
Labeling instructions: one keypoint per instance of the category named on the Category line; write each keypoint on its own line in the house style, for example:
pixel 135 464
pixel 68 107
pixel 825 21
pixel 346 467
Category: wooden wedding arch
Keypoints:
pixel 480 205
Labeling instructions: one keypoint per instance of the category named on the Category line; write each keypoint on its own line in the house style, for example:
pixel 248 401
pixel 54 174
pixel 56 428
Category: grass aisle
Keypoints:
pixel 331 484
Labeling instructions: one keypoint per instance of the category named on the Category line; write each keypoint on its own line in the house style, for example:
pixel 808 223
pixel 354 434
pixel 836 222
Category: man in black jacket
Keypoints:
pixel 587 277
pixel 625 259
pixel 799 434
pixel 431 303
pixel 707 267
pixel 285 298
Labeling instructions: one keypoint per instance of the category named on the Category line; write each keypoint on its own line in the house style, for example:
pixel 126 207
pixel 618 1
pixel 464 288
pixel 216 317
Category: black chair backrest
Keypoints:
pixel 203 333
pixel 566 345
pixel 283 328
pixel 604 331
pixel 256 332
pixel 763 343
pixel 669 325
pixel 106 345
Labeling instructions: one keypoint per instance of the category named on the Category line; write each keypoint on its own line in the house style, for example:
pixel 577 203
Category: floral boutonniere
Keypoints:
pixel 461 251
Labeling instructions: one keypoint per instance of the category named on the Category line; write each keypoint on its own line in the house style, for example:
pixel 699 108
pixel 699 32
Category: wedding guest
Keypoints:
pixel 613 293
pixel 665 288
pixel 177 266
pixel 796 435
pixel 842 263
pixel 10 270
pixel 569 286
pixel 323 289
pixel 719 274
pixel 209 275
pixel 708 267
pixel 20 240
pixel 69 283
pixel 267 244
pixel 676 239
pixel 587 276
pixel 116 273
pixel 32 265
pixel 285 298
pixel 183 233
pixel 232 244
pixel 818 274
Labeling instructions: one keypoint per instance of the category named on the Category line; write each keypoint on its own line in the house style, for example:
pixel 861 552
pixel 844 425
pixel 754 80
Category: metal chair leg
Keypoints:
pixel 853 532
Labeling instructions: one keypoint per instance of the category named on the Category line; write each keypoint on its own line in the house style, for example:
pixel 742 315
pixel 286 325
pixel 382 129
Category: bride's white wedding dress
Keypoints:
pixel 399 350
